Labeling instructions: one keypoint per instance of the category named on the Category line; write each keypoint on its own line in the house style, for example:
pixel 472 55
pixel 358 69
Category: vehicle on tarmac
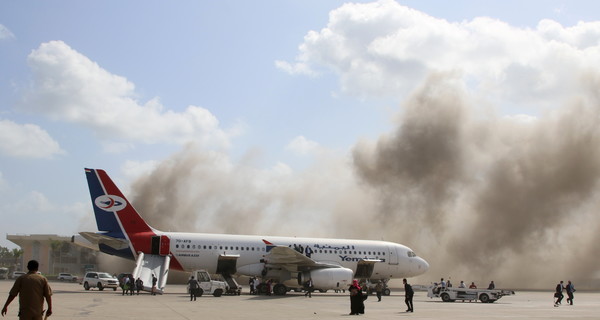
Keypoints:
pixel 453 294
pixel 207 285
pixel 100 280
pixel 66 277
pixel 17 274
pixel 3 273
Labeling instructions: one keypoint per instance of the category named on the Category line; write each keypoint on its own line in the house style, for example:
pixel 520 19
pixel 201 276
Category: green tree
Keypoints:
pixel 16 254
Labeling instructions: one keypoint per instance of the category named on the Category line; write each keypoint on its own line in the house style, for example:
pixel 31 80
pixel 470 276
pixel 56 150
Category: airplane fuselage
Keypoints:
pixel 202 251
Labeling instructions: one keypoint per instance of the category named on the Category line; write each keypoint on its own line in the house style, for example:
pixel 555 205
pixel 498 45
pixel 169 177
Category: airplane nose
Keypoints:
pixel 421 266
pixel 424 265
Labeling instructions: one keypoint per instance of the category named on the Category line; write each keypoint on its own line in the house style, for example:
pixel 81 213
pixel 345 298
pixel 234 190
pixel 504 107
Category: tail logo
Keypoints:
pixel 110 203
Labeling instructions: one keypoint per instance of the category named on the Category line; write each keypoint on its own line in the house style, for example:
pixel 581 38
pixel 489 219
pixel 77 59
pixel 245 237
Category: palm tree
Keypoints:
pixel 55 245
pixel 16 253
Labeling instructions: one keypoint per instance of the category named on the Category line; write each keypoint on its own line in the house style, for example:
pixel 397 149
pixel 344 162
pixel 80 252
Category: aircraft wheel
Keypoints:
pixel 484 298
pixel 279 289
pixel 262 288
pixel 445 297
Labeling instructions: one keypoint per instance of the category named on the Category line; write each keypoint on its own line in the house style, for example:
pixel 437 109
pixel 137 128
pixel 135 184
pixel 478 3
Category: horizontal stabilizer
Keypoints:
pixel 98 238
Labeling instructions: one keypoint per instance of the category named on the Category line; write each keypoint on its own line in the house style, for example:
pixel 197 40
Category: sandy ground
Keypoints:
pixel 71 301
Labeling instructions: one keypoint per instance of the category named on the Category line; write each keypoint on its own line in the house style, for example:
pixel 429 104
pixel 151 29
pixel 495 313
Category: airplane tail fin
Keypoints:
pixel 115 216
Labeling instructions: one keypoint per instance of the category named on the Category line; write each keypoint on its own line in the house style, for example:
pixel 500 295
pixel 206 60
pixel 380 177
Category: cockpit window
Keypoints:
pixel 411 254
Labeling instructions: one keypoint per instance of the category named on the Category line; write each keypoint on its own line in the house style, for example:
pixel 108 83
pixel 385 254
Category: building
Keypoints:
pixel 54 253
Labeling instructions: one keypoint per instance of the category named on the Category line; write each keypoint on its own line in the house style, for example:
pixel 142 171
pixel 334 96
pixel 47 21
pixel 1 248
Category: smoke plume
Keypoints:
pixel 480 196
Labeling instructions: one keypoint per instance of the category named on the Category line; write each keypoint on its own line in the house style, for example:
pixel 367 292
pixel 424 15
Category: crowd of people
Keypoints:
pixel 131 286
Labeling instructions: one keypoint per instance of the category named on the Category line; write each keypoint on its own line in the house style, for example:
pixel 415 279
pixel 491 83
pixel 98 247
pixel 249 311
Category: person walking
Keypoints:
pixel 32 289
pixel 357 301
pixel 570 289
pixel 194 286
pixel 139 285
pixel 125 285
pixel 308 286
pixel 558 294
pixel 154 280
pixel 379 290
pixel 408 296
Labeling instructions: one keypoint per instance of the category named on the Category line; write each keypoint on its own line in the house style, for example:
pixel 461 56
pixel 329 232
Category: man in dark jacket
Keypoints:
pixel 408 296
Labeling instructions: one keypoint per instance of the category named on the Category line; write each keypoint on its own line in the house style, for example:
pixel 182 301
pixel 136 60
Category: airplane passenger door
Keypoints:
pixel 155 245
pixel 160 245
pixel 392 255
pixel 165 244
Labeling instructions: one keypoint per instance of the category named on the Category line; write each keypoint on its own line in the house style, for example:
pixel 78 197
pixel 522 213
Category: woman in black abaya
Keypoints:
pixel 357 305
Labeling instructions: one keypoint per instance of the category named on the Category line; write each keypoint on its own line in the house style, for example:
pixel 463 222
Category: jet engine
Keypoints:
pixel 327 278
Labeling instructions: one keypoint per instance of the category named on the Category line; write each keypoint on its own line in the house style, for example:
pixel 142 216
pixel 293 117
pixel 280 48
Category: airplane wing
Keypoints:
pixel 98 238
pixel 293 260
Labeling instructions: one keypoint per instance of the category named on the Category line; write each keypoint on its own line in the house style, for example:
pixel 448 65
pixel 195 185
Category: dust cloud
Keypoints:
pixel 480 196
pixel 487 197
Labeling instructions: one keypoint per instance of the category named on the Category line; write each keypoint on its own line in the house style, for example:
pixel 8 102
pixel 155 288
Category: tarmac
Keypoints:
pixel 71 301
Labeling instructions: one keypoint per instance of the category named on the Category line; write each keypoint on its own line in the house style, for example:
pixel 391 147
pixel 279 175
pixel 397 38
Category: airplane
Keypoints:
pixel 287 261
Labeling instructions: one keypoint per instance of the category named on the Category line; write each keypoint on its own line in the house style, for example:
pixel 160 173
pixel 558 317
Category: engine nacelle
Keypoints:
pixel 329 278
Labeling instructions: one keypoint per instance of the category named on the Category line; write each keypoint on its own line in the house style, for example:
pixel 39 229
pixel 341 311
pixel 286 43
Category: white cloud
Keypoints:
pixel 384 48
pixel 302 146
pixel 5 33
pixel 26 141
pixel 70 87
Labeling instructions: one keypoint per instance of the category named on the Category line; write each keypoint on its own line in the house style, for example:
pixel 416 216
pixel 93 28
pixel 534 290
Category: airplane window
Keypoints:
pixel 209 247
pixel 247 249
pixel 188 246
pixel 252 248
pixel 177 246
pixel 220 247
pixel 237 248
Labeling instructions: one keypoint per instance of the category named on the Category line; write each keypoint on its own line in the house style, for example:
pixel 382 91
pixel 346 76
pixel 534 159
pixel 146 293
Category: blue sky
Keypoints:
pixel 125 85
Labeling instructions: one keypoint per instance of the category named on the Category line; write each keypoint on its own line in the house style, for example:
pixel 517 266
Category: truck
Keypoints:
pixel 452 294
pixel 207 285
pixel 3 273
